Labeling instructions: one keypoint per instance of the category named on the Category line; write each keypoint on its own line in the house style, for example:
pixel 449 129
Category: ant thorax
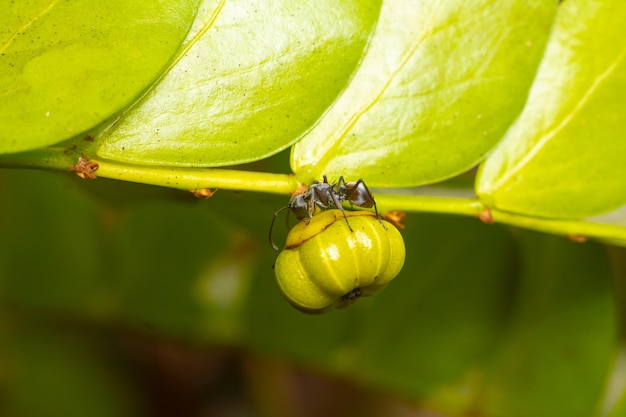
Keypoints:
pixel 323 196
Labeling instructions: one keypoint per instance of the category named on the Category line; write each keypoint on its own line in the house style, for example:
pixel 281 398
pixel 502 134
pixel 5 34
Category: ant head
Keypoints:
pixel 299 207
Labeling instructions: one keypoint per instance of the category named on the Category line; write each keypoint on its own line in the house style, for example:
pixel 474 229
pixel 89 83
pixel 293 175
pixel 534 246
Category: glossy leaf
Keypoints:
pixel 65 66
pixel 563 157
pixel 439 85
pixel 251 78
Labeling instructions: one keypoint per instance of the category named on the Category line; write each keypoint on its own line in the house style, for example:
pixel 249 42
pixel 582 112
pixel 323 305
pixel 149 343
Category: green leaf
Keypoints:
pixel 440 83
pixel 252 77
pixel 65 66
pixel 564 156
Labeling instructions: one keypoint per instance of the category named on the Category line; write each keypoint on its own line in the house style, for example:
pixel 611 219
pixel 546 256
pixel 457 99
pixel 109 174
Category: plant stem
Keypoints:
pixel 199 178
pixel 574 229
pixel 183 178
pixel 45 158
pixel 429 204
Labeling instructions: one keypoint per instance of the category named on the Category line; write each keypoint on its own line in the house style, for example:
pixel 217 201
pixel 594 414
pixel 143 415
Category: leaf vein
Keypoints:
pixel 28 24
pixel 356 116
pixel 186 47
pixel 566 120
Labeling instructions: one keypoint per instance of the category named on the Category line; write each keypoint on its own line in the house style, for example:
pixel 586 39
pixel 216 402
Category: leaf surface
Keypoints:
pixel 564 156
pixel 65 66
pixel 439 85
pixel 252 77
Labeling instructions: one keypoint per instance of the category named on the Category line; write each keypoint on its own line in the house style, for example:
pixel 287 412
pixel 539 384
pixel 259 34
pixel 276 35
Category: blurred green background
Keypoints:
pixel 120 299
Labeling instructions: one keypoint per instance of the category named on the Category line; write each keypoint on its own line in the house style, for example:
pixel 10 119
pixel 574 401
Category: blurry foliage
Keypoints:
pixel 100 291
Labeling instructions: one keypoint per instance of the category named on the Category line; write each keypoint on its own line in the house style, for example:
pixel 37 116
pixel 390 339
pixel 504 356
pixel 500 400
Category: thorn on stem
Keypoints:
pixel 395 217
pixel 85 168
pixel 203 192
pixel 485 216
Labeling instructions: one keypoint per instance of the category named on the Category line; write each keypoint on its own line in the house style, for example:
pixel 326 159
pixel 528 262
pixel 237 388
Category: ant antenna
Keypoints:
pixel 272 225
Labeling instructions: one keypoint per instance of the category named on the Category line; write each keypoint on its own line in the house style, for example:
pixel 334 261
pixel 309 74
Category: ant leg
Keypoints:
pixel 341 185
pixel 333 185
pixel 340 207
pixel 311 204
pixel 320 199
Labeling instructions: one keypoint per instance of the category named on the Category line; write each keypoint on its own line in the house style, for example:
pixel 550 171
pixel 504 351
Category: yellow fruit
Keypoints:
pixel 325 265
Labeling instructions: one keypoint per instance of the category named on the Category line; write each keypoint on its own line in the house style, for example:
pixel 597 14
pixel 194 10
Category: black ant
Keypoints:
pixel 324 195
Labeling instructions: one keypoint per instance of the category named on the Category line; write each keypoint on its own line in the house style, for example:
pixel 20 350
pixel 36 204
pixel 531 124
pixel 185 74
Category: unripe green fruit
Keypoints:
pixel 325 265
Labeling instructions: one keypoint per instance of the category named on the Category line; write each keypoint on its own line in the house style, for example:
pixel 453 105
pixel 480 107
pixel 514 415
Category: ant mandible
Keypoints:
pixel 325 195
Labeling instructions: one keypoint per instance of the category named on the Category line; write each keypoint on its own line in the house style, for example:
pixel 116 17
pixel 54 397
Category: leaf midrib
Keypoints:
pixel 353 120
pixel 549 135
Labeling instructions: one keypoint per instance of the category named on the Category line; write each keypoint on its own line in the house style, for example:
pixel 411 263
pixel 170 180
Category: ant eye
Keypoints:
pixel 324 265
